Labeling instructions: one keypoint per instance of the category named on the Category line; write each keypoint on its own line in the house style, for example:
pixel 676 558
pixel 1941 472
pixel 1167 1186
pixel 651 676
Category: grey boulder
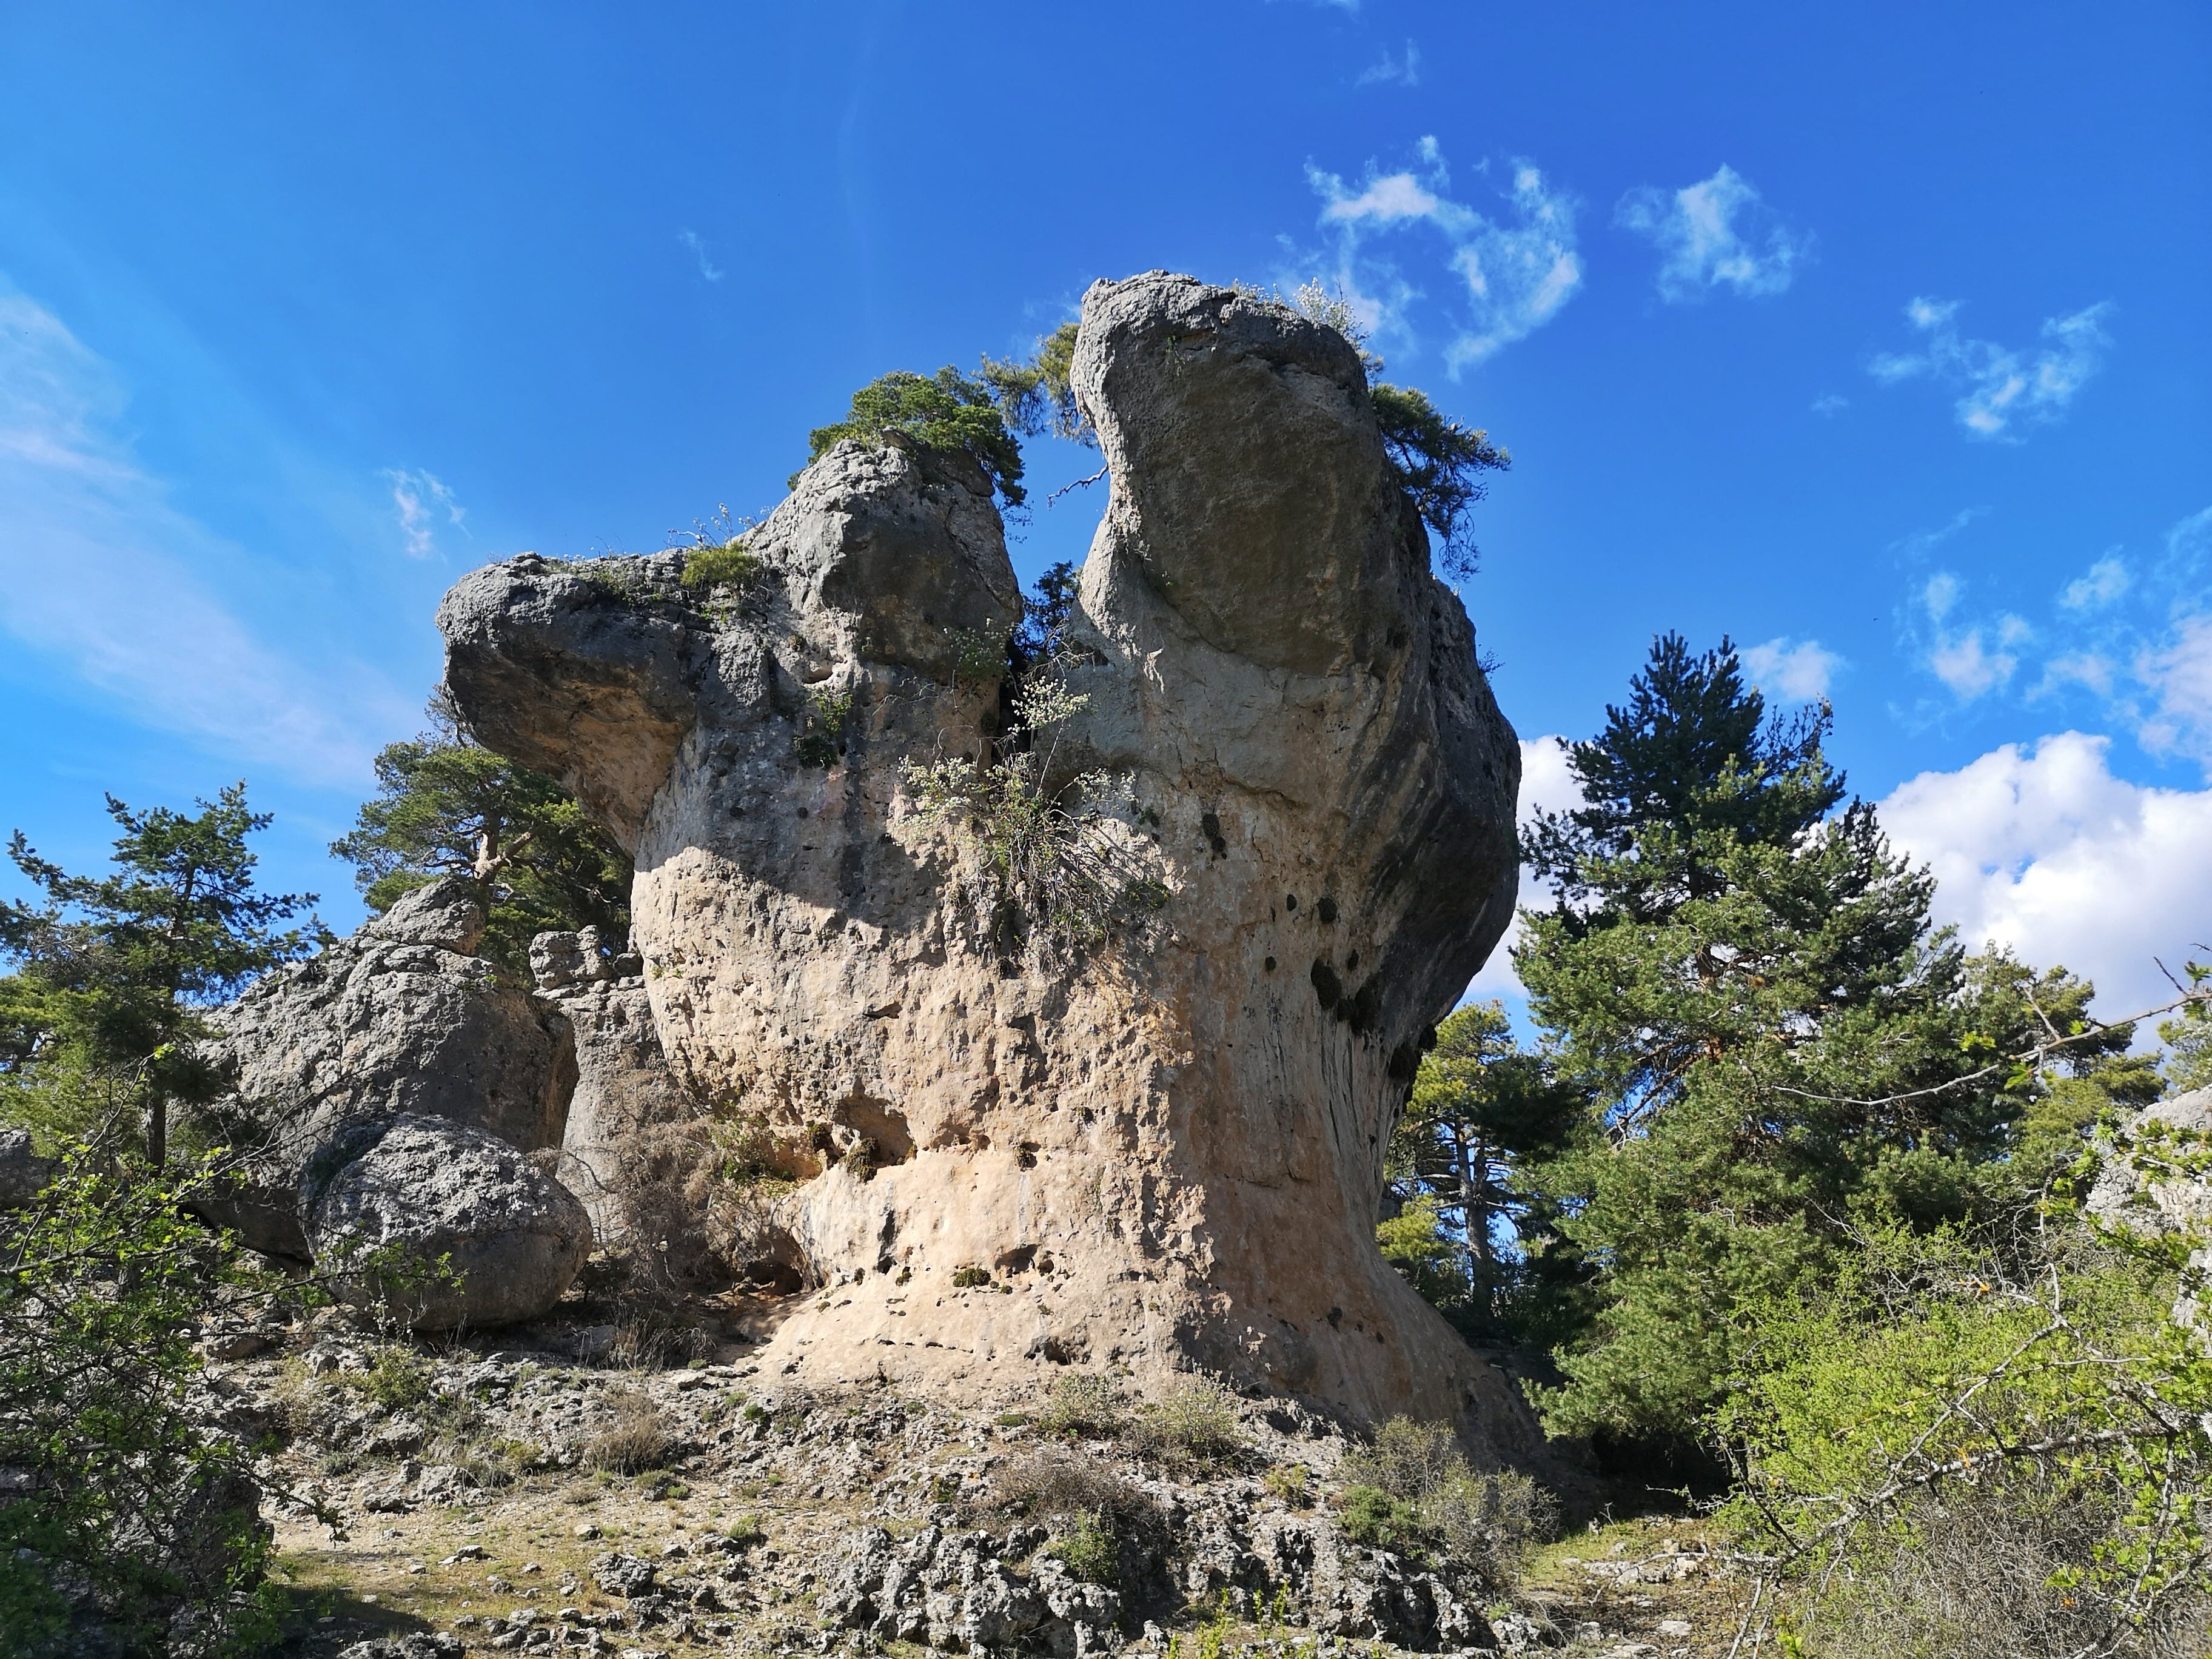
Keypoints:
pixel 415 1190
pixel 24 1173
pixel 396 1020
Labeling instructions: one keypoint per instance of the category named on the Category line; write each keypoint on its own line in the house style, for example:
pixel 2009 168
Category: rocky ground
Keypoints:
pixel 581 1485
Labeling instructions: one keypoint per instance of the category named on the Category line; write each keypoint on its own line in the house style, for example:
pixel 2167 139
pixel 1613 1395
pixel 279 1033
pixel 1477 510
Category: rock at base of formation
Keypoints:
pixel 1168 1153
pixel 398 1020
pixel 428 1189
pixel 636 1148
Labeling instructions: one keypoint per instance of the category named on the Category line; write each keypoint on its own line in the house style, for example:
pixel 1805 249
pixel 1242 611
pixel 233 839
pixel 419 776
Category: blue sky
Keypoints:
pixel 1877 337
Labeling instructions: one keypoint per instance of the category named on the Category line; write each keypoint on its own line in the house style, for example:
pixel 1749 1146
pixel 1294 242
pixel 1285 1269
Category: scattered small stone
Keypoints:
pixel 1673 1627
pixel 587 1531
pixel 466 1552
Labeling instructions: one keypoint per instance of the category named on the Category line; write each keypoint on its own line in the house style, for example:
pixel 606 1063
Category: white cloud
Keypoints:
pixel 418 498
pixel 1516 269
pixel 2104 582
pixel 1403 71
pixel 96 571
pixel 1546 786
pixel 691 239
pixel 1714 232
pixel 1831 403
pixel 2179 672
pixel 2042 848
pixel 1800 672
pixel 1970 668
pixel 2001 386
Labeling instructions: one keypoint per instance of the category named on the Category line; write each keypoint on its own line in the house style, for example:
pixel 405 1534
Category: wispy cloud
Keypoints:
pixel 97 574
pixel 2001 387
pixel 1717 232
pixel 2134 633
pixel 2101 585
pixel 1404 71
pixel 1516 269
pixel 706 268
pixel 1831 403
pixel 419 498
pixel 1800 671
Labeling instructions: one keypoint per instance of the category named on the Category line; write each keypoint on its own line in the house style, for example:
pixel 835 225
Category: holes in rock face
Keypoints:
pixel 1428 1039
pixel 1336 1318
pixel 1025 1155
pixel 883 1128
pixel 1210 824
pixel 1327 985
pixel 1362 1011
pixel 1405 1063
pixel 1351 962
pixel 1326 909
pixel 1015 1261
pixel 1289 901
pixel 1271 965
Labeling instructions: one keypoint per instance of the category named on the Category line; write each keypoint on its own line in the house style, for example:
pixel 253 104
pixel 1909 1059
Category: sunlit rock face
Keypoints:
pixel 1167 1154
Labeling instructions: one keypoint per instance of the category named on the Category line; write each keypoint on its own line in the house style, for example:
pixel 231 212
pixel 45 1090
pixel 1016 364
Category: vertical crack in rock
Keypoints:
pixel 1169 1155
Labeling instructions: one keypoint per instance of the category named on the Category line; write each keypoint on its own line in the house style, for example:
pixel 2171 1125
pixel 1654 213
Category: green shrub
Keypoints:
pixel 1195 1425
pixel 397 1378
pixel 969 1278
pixel 1976 1451
pixel 945 411
pixel 1105 1529
pixel 1091 1551
pixel 1415 1484
pixel 1375 1518
pixel 1054 866
pixel 732 564
pixel 1082 1407
pixel 822 742
pixel 122 1489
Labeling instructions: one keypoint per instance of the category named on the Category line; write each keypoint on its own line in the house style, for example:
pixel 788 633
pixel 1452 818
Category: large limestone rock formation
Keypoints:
pixel 2159 1184
pixel 1166 1156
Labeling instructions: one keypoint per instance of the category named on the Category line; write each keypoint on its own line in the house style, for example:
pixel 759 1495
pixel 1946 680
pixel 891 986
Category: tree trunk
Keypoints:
pixel 157 1128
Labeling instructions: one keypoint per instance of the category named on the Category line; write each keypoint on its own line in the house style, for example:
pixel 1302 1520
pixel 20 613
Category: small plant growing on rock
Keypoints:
pixel 1055 860
pixel 1091 1551
pixel 1291 1482
pixel 1082 1407
pixel 634 1438
pixel 731 564
pixel 1195 1425
pixel 822 743
pixel 1375 1518
pixel 969 1278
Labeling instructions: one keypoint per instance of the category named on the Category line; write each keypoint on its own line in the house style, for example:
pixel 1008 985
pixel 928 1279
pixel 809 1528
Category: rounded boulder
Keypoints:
pixel 446 1224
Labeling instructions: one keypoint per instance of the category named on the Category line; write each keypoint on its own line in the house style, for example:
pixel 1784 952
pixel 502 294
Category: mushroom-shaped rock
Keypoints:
pixel 396 1019
pixel 387 1201
pixel 1170 1149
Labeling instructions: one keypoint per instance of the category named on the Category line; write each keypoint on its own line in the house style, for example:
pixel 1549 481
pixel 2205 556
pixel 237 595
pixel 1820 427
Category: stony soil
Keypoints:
pixel 478 1515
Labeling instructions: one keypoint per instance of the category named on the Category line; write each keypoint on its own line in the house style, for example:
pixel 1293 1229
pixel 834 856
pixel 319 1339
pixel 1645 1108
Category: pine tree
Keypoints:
pixel 1748 981
pixel 446 806
pixel 1481 1109
pixel 117 971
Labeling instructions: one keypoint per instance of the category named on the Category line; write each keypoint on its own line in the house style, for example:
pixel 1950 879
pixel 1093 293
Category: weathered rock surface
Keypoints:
pixel 1170 1155
pixel 628 1116
pixel 24 1173
pixel 430 1187
pixel 398 1020
pixel 2161 1198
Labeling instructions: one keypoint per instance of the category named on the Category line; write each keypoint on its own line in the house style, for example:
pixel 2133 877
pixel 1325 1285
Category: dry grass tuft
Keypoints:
pixel 634 1438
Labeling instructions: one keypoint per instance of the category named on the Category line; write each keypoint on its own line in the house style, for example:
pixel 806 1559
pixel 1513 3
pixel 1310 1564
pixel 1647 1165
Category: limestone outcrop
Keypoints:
pixel 1164 1154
